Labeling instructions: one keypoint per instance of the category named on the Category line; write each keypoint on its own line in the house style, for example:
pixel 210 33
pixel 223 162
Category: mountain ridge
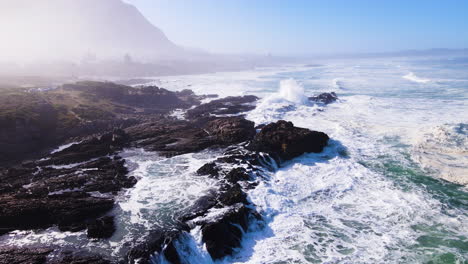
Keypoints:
pixel 65 29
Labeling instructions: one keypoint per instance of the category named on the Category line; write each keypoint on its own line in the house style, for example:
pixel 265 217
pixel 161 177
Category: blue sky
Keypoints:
pixel 310 26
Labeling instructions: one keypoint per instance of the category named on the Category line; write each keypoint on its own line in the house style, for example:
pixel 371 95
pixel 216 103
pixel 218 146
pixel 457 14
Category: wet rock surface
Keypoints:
pixel 223 235
pixel 226 106
pixel 287 141
pixel 12 255
pixel 45 255
pixel 231 130
pixel 324 98
pixel 157 242
pixel 101 228
pixel 209 169
pixel 171 138
pixel 40 194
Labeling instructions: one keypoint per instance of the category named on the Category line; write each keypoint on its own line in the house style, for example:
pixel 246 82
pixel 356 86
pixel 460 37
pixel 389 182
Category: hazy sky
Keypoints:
pixel 310 26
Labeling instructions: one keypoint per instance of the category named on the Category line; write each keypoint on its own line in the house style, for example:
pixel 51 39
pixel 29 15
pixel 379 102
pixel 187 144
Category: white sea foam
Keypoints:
pixel 412 77
pixel 165 185
pixel 65 146
pixel 443 151
pixel 326 211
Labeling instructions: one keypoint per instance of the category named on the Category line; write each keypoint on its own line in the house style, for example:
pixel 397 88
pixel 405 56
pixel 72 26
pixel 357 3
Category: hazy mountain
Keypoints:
pixel 70 29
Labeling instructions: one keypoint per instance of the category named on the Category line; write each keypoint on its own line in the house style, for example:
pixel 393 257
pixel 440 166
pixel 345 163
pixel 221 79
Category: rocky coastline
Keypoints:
pixel 75 188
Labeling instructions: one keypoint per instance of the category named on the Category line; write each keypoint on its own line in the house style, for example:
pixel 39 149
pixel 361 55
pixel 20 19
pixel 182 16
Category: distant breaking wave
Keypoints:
pixel 412 77
pixel 337 84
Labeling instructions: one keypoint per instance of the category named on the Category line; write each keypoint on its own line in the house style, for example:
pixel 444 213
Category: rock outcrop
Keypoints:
pixel 42 255
pixel 286 141
pixel 231 130
pixel 226 106
pixel 179 137
pixel 41 194
pixel 157 242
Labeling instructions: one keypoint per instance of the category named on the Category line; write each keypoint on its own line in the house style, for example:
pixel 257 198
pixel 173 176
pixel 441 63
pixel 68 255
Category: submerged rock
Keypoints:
pixel 287 141
pixel 101 228
pixel 324 98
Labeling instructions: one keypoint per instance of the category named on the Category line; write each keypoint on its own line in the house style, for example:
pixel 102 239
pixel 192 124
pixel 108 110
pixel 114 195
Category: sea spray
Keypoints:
pixel 292 91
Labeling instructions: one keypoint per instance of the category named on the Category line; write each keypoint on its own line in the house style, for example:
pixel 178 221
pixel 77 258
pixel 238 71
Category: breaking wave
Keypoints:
pixel 443 151
pixel 412 77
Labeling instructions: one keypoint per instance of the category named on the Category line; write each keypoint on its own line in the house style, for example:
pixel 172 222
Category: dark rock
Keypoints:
pixel 15 255
pixel 171 254
pixel 64 210
pixel 260 126
pixel 27 123
pixel 78 257
pixel 145 96
pixel 241 158
pixel 232 129
pixel 175 137
pixel 324 98
pixel 287 141
pixel 170 137
pixel 89 149
pixel 41 197
pixel 209 169
pixel 223 235
pixel 225 106
pixel 31 122
pixel 157 242
pixel 101 228
pixel 200 207
pixel 237 174
pixel 44 255
pixel 232 195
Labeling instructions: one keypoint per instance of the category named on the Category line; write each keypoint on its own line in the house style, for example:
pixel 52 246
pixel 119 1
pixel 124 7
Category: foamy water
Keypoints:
pixel 373 196
pixel 367 198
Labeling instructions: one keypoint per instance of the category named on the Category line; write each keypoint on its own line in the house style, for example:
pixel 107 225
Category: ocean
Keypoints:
pixel 391 187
